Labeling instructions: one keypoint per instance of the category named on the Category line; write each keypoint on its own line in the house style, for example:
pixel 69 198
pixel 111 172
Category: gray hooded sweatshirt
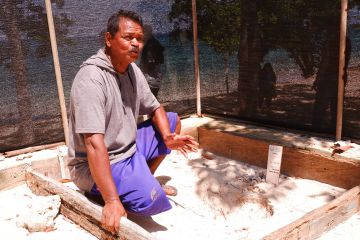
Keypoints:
pixel 104 101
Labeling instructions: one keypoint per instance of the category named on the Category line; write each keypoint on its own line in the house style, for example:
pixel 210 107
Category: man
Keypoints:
pixel 267 85
pixel 109 154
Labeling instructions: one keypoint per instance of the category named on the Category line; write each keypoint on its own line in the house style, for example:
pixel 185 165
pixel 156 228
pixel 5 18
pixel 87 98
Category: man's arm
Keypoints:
pixel 99 164
pixel 174 141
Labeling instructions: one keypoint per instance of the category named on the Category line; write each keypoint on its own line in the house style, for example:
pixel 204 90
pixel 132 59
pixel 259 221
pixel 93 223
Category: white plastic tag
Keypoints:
pixel 274 164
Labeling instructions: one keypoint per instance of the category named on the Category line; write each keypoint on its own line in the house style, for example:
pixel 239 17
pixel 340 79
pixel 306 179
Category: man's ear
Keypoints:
pixel 108 37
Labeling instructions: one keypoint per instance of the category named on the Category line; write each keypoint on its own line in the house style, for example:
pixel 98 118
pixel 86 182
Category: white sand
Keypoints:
pixel 207 205
pixel 15 199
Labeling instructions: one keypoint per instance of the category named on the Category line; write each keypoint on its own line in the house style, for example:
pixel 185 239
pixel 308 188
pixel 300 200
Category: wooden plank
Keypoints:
pixel 33 149
pixel 319 144
pixel 321 220
pixel 13 176
pixel 296 162
pixel 79 209
pixel 49 167
pixel 189 126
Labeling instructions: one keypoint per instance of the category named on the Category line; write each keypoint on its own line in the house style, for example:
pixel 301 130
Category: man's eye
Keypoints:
pixel 140 39
pixel 127 38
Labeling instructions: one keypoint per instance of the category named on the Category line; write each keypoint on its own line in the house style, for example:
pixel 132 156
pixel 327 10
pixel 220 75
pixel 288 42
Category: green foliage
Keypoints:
pixel 218 22
pixel 223 16
pixel 298 26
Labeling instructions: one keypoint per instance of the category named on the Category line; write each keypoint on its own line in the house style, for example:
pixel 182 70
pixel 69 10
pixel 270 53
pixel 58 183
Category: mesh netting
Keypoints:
pixel 272 62
pixel 30 106
pixel 30 112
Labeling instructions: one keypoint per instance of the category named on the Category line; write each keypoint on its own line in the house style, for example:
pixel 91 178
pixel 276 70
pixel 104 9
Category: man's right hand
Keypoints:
pixel 101 172
pixel 111 214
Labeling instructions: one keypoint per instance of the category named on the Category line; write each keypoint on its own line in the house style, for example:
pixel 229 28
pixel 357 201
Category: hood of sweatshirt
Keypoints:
pixel 100 60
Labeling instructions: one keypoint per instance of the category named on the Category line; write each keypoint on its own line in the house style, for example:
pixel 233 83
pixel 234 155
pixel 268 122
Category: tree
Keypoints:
pixel 255 27
pixel 228 27
pixel 21 19
pixel 212 16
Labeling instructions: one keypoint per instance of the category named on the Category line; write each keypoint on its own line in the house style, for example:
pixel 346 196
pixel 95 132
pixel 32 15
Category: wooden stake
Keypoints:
pixel 57 69
pixel 196 59
pixel 340 103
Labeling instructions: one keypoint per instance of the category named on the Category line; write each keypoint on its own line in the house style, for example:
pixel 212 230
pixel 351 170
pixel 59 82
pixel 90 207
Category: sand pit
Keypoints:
pixel 12 201
pixel 349 229
pixel 210 202
pixel 218 198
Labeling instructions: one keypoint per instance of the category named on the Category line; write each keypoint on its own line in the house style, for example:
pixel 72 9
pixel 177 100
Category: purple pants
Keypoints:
pixel 139 191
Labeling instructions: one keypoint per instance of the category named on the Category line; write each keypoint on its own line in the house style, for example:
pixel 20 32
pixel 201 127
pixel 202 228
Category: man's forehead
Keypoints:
pixel 129 25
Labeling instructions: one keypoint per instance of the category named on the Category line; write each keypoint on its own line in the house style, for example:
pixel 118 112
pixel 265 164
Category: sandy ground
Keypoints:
pixel 211 201
pixel 218 198
pixel 15 199
pixel 27 158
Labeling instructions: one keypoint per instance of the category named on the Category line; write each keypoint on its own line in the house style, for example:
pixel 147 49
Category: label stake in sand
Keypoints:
pixel 274 164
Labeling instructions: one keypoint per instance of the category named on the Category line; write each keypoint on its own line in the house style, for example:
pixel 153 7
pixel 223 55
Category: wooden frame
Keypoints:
pixel 340 172
pixel 322 219
pixel 235 141
pixel 80 210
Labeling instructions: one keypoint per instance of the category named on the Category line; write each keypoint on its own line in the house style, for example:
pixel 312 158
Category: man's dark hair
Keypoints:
pixel 113 22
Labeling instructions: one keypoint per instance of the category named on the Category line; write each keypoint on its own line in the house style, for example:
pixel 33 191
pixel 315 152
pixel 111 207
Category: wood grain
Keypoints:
pixel 295 162
pixel 13 176
pixel 321 220
pixel 79 209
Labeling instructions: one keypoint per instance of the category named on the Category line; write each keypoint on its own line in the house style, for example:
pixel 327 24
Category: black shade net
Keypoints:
pixel 269 62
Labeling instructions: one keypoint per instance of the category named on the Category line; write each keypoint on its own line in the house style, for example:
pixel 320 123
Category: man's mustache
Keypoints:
pixel 134 50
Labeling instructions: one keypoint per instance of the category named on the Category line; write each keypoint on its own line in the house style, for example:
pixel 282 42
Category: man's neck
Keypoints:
pixel 116 64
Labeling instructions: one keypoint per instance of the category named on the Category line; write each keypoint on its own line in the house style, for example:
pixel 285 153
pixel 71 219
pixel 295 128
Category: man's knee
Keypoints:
pixel 174 121
pixel 153 201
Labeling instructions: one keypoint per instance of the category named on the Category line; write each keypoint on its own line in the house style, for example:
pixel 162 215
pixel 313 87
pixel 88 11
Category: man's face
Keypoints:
pixel 127 43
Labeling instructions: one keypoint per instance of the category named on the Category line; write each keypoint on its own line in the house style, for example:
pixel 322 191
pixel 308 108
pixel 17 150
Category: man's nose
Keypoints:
pixel 135 42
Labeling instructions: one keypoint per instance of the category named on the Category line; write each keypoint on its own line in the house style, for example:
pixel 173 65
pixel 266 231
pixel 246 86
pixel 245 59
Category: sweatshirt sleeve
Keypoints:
pixel 88 100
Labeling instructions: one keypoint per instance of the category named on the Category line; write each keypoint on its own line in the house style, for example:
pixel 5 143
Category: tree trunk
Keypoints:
pixel 19 70
pixel 249 56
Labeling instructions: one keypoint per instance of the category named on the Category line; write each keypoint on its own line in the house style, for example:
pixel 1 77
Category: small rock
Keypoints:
pixel 20 157
pixel 215 188
pixel 62 151
pixel 258 179
pixel 262 175
pixel 250 188
pixel 253 182
pixel 205 165
pixel 39 214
